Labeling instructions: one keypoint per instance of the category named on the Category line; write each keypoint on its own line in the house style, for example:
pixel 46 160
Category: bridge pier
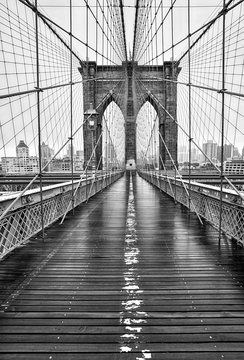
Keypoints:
pixel 128 86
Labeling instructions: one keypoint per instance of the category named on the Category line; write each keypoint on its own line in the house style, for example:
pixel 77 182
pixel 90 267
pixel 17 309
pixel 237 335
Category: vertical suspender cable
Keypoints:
pixel 96 47
pixel 87 36
pixel 153 18
pixel 39 119
pixel 156 130
pixel 103 91
pixel 96 44
pixel 107 61
pixel 145 41
pixel 172 84
pixel 107 51
pixel 189 98
pixel 87 74
pixel 222 121
pixel 150 56
pixel 71 106
pixel 160 146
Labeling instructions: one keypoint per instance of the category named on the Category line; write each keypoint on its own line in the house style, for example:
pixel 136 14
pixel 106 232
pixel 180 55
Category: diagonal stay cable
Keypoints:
pixel 47 21
pixel 173 162
pixel 106 97
pixel 150 94
pixel 81 176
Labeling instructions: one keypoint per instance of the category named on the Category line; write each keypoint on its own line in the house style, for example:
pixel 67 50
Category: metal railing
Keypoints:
pixel 205 201
pixel 25 220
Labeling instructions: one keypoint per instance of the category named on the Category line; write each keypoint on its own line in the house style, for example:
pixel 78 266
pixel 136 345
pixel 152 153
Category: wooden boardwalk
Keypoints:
pixel 129 276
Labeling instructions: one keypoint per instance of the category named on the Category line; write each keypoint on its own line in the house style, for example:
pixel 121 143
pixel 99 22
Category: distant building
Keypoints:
pixel 78 160
pixel 195 155
pixel 10 164
pixel 183 154
pixel 18 164
pixel 24 163
pixel 228 152
pixel 33 165
pixel 13 165
pixel 79 155
pixel 68 155
pixel 61 165
pixel 46 155
pixel 46 151
pixel 22 151
pixel 236 154
pixel 234 167
pixel 210 150
pixel 109 156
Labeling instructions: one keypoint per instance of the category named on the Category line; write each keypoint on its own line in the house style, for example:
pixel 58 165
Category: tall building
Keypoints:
pixel 210 150
pixel 79 155
pixel 236 154
pixel 110 156
pixel 22 154
pixel 68 155
pixel 33 164
pixel 22 151
pixel 46 153
pixel 183 154
pixel 228 152
pixel 78 160
pixel 195 155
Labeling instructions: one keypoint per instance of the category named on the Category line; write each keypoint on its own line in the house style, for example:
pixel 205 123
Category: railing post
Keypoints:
pixel 86 185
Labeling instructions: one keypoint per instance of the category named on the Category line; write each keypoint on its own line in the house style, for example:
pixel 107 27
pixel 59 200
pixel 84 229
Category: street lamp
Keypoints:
pixel 91 123
pixel 90 134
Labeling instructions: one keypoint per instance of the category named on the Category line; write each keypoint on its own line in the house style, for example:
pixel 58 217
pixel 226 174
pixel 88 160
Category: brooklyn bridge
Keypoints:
pixel 122 179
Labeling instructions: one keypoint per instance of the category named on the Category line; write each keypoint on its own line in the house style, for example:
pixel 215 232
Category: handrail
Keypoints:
pixel 23 221
pixel 206 200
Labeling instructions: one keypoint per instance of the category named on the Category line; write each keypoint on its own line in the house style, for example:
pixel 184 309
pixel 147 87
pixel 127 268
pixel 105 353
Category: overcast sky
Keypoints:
pixel 58 10
pixel 201 11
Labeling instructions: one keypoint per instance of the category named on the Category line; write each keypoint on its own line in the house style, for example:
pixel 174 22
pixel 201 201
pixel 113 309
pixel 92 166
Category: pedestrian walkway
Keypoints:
pixel 130 276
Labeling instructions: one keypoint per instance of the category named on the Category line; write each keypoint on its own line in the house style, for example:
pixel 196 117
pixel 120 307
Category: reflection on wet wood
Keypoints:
pixel 130 276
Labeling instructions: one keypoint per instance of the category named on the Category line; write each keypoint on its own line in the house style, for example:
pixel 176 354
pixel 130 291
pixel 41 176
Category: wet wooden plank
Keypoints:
pixel 113 327
pixel 128 356
pixel 154 310
pixel 108 338
pixel 86 348
pixel 23 321
pixel 147 301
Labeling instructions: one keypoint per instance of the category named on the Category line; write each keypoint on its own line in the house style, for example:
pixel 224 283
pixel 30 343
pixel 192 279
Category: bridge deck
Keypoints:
pixel 130 276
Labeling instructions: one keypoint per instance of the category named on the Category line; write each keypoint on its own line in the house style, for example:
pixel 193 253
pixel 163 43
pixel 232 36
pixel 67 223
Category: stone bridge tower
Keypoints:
pixel 130 86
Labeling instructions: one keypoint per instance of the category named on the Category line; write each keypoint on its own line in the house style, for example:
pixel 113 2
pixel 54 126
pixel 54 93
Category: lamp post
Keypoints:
pixel 90 128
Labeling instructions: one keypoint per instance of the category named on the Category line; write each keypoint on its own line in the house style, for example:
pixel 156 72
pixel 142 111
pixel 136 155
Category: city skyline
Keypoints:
pixel 197 155
pixel 23 162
